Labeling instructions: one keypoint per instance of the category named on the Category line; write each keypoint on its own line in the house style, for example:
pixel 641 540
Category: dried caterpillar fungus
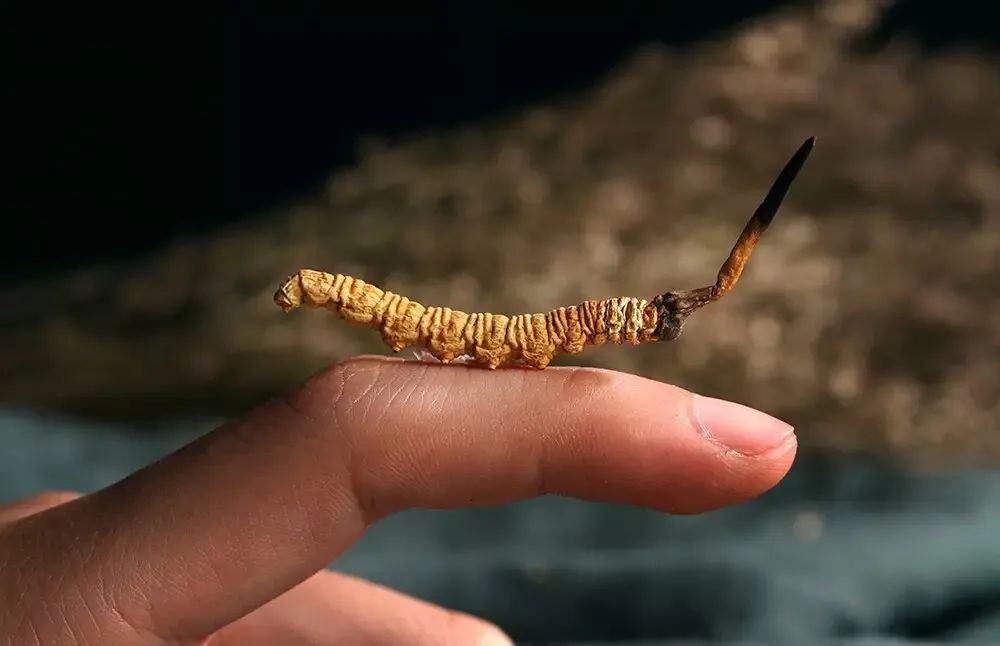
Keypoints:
pixel 495 340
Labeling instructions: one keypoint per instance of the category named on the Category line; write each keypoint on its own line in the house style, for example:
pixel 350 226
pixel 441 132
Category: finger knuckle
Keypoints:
pixel 335 392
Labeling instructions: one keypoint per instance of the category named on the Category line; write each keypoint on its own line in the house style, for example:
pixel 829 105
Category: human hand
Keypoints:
pixel 225 541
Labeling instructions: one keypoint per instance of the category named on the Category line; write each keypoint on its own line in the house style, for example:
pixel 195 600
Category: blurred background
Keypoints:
pixel 166 172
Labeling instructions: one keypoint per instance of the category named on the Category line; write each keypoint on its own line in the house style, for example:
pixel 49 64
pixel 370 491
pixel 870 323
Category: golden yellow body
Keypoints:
pixel 495 340
pixel 492 340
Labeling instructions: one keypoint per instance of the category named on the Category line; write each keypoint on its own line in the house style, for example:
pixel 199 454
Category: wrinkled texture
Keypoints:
pixel 492 340
pixel 869 315
pixel 495 340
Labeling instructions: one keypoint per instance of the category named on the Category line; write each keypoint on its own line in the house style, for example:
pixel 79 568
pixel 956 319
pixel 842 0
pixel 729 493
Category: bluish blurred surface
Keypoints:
pixel 845 551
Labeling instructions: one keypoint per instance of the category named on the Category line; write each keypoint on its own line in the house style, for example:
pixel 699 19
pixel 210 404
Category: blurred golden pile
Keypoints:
pixel 869 315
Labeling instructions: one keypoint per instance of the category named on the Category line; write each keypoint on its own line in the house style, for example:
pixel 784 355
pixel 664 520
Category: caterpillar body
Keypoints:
pixel 495 340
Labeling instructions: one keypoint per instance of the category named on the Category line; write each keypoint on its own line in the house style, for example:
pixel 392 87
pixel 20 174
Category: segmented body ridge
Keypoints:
pixel 490 339
pixel 494 340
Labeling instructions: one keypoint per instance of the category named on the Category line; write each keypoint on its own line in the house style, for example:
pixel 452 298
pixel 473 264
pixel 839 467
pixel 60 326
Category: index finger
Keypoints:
pixel 209 533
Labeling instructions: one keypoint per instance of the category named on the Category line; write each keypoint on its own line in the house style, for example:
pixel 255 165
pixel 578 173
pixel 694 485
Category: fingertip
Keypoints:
pixel 463 628
pixel 494 637
pixel 752 476
pixel 756 449
pixel 639 441
pixel 745 453
pixel 737 427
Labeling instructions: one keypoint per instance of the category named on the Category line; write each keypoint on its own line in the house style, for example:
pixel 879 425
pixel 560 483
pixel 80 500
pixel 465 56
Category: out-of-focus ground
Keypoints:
pixel 869 316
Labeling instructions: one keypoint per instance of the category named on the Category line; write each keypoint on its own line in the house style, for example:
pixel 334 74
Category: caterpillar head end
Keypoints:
pixel 289 295
pixel 672 308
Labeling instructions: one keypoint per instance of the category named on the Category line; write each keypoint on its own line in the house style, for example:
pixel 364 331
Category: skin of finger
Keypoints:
pixel 17 509
pixel 206 535
pixel 331 608
pixel 586 433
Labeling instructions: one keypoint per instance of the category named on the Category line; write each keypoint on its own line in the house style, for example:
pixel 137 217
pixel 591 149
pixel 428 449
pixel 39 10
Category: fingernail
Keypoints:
pixel 741 428
pixel 495 638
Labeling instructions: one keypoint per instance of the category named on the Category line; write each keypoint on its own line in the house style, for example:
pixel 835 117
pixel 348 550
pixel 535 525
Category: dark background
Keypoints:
pixel 127 129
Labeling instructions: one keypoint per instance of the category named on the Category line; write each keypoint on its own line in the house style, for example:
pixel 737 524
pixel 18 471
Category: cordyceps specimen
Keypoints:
pixel 495 340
